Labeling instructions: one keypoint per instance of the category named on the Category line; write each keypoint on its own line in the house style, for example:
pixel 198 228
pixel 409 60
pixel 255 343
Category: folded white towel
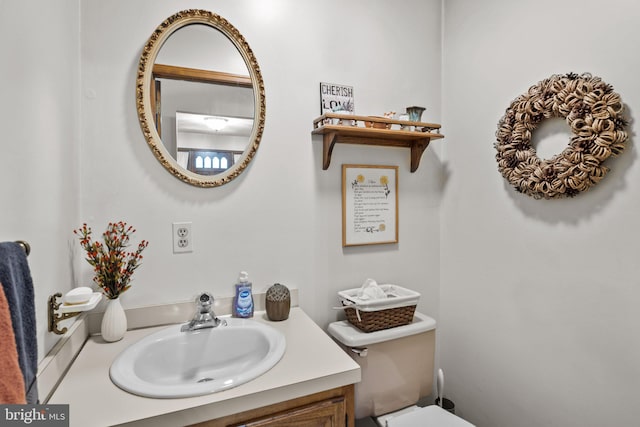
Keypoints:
pixel 370 290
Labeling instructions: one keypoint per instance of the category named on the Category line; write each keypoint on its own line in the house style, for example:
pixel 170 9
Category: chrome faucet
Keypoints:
pixel 204 317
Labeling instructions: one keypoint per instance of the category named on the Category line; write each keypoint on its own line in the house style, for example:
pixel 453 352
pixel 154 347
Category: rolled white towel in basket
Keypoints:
pixel 371 290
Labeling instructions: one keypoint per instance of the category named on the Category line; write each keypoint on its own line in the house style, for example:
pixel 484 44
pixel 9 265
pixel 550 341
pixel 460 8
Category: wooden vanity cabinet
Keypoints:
pixel 331 408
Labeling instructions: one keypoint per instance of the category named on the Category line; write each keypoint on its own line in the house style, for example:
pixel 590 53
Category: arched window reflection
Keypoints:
pixel 209 162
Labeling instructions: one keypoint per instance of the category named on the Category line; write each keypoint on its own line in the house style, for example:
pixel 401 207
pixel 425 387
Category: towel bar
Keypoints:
pixel 25 246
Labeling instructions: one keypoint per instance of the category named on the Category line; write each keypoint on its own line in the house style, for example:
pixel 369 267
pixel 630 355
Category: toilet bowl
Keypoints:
pixel 397 370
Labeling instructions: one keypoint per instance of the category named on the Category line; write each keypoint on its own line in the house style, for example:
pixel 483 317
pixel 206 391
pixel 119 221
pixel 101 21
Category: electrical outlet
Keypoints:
pixel 182 238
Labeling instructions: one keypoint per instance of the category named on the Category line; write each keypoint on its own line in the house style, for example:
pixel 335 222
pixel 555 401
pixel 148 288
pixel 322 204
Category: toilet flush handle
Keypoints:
pixel 360 351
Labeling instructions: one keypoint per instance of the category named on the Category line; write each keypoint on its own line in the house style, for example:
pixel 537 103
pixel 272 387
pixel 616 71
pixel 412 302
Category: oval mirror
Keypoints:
pixel 200 98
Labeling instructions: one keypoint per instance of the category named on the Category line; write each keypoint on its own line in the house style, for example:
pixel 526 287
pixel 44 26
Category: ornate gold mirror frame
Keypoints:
pixel 145 95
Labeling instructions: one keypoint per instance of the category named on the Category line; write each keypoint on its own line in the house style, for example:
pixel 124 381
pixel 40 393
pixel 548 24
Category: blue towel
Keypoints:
pixel 15 277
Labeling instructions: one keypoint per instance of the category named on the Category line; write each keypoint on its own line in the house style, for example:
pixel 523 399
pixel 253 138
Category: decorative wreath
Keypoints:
pixel 594 113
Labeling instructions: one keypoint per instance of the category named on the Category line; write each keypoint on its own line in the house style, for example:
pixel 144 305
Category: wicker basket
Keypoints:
pixel 371 321
pixel 369 315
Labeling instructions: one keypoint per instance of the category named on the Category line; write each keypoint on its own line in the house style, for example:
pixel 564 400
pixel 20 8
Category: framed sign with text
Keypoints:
pixel 369 205
pixel 335 98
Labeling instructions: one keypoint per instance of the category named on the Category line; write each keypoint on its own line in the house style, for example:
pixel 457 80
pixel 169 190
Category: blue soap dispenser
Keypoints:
pixel 243 300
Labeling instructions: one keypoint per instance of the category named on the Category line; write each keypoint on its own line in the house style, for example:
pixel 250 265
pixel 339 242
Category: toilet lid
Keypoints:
pixel 430 416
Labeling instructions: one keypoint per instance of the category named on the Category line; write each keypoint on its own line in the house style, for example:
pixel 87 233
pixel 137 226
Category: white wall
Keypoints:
pixel 537 323
pixel 39 118
pixel 281 219
pixel 539 299
pixel 74 151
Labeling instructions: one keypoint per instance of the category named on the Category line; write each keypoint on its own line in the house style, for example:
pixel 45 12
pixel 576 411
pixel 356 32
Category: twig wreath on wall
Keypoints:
pixel 595 114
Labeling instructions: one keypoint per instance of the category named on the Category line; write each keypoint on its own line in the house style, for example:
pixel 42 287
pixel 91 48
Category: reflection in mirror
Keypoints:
pixel 220 139
pixel 201 87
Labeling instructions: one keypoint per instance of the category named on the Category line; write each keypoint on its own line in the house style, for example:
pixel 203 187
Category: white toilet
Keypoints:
pixel 397 370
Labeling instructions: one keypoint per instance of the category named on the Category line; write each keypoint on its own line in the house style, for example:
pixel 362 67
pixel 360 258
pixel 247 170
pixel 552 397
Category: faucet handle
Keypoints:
pixel 204 300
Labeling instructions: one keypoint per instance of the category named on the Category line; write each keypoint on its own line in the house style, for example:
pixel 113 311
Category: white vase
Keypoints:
pixel 114 321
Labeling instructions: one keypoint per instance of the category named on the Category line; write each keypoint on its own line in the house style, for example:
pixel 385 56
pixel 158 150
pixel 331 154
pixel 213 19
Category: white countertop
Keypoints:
pixel 313 362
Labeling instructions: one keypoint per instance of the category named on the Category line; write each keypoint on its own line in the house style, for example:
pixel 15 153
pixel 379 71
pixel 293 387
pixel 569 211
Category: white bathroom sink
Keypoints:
pixel 170 363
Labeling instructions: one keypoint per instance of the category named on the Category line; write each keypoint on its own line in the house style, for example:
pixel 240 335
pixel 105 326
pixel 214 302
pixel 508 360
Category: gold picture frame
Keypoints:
pixel 369 205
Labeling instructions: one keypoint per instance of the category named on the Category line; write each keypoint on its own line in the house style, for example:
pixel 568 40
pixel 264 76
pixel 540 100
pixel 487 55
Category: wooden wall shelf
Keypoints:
pixel 368 130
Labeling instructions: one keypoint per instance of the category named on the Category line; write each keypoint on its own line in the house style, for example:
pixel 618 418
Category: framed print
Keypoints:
pixel 335 98
pixel 369 205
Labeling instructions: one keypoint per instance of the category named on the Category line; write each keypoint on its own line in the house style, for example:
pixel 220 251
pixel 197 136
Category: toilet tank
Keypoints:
pixel 396 364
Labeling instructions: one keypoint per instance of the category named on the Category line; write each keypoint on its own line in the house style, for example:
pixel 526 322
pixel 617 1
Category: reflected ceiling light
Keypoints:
pixel 215 123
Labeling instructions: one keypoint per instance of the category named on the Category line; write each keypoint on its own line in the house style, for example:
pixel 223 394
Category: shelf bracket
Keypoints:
pixel 417 148
pixel 329 140
pixel 54 317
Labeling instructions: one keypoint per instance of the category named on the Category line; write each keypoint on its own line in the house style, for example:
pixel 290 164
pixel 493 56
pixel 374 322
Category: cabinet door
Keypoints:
pixel 327 413
pixel 329 408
